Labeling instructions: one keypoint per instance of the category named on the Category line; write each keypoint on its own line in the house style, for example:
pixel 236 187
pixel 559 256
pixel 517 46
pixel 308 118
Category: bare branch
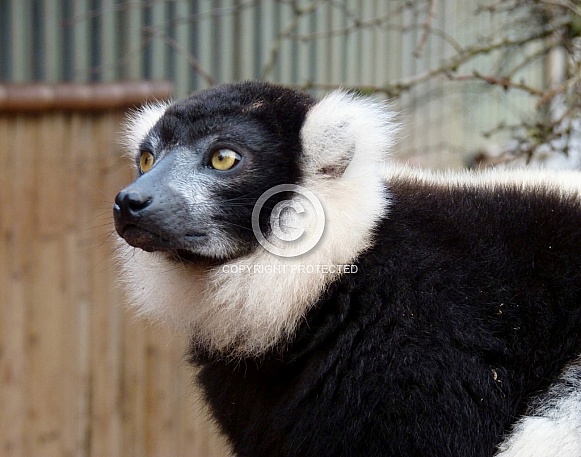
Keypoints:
pixel 194 63
pixel 572 7
pixel 286 33
pixel 505 83
pixel 427 26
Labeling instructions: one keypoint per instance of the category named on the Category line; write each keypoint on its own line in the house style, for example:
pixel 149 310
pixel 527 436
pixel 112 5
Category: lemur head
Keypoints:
pixel 203 164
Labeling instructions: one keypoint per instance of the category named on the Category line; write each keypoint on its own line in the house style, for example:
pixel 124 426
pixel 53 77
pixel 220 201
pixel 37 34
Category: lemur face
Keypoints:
pixel 202 166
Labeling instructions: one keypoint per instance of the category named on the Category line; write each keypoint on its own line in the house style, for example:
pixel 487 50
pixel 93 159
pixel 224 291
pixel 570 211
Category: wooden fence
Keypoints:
pixel 79 375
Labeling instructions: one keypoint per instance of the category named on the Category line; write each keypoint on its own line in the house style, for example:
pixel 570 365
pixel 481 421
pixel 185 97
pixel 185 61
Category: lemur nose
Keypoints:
pixel 130 202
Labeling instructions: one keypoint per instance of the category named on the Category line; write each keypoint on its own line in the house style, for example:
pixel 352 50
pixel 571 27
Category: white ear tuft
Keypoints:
pixel 344 128
pixel 139 122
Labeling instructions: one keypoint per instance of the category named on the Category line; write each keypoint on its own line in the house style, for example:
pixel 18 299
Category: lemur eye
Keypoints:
pixel 146 160
pixel 224 159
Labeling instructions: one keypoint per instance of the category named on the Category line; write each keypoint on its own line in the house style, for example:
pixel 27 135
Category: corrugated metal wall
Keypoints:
pixel 300 42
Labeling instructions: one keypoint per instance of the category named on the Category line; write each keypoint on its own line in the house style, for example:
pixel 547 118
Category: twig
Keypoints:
pixel 284 34
pixel 550 93
pixel 194 63
pixel 427 26
pixel 505 83
pixel 563 4
pixel 378 22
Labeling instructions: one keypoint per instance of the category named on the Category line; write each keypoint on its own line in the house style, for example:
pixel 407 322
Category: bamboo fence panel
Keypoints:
pixel 79 374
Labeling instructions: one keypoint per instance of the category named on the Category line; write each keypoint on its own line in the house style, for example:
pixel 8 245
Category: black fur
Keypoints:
pixel 468 305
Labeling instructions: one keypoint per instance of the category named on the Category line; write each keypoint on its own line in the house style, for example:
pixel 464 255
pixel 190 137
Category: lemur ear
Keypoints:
pixel 343 129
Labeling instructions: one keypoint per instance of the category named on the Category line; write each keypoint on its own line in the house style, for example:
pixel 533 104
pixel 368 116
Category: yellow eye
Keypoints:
pixel 146 160
pixel 224 159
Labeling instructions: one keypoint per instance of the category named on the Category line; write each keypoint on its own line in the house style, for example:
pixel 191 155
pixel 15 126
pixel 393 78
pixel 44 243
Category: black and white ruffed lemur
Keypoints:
pixel 454 331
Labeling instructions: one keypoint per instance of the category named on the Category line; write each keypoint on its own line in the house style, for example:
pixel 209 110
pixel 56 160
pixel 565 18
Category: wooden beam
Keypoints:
pixel 34 98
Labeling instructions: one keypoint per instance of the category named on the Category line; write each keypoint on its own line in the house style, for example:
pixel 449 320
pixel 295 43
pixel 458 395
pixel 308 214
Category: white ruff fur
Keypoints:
pixel 248 312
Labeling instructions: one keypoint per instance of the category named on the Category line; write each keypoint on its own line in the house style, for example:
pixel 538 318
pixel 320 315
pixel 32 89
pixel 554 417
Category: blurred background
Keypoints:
pixel 476 82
